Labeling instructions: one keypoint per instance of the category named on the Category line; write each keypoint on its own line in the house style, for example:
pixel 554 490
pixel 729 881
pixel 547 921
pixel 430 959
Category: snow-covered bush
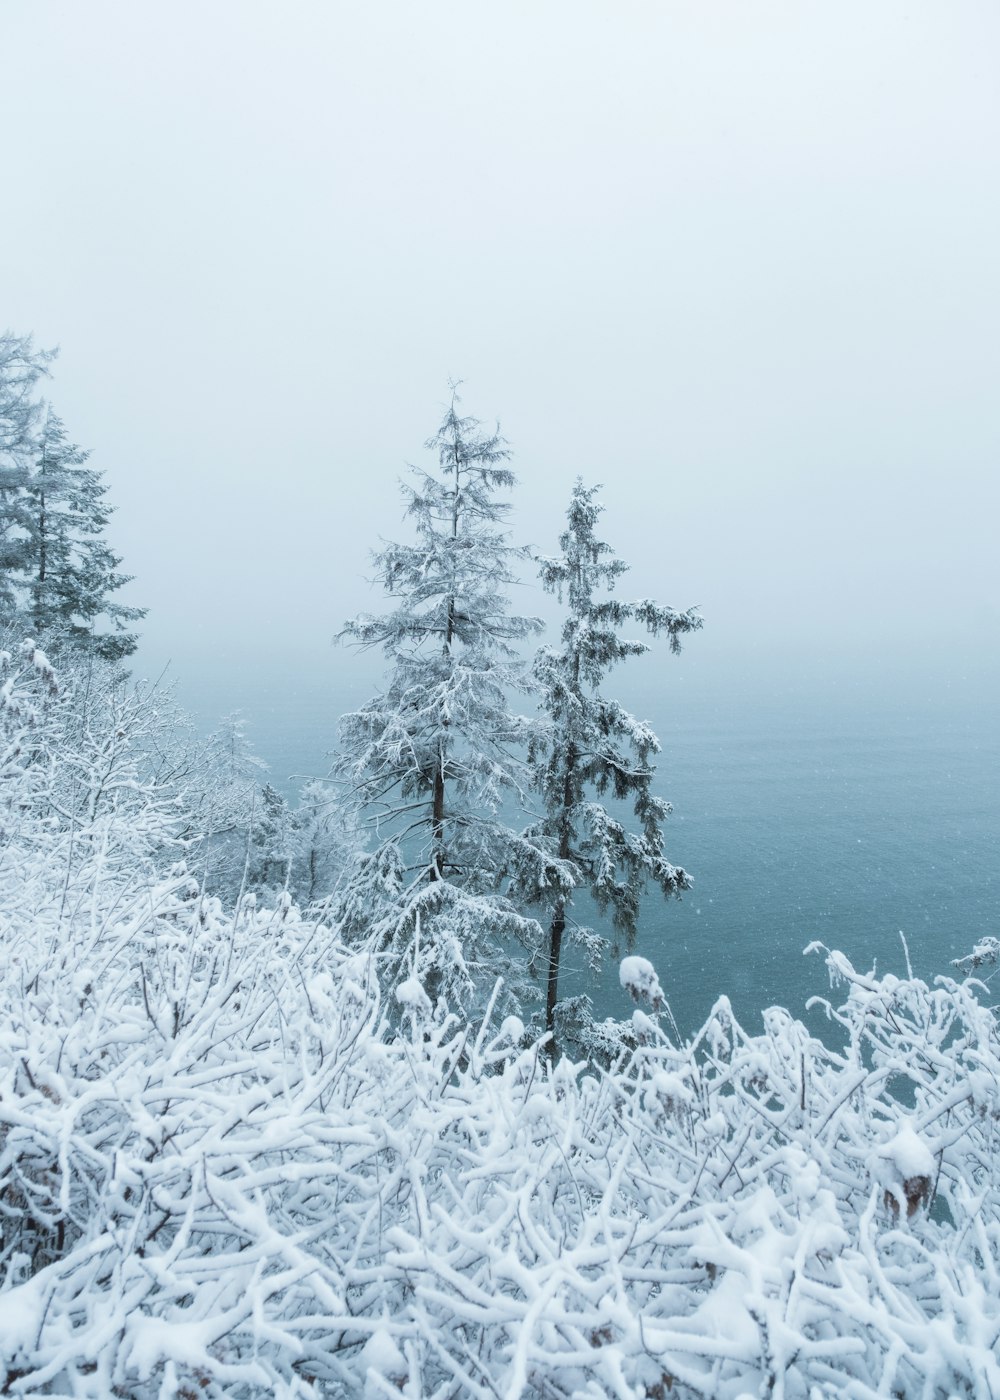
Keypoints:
pixel 228 1169
pixel 222 1174
pixel 107 762
pixel 97 766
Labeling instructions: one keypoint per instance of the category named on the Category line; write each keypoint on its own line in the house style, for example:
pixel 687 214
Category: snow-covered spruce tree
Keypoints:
pixel 326 842
pixel 59 574
pixel 221 778
pixel 272 848
pixel 21 367
pixel 269 844
pixel 432 758
pixel 593 747
pixel 70 572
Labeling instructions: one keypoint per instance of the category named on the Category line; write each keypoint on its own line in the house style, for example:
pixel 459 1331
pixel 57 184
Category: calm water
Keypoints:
pixel 844 814
pixel 834 822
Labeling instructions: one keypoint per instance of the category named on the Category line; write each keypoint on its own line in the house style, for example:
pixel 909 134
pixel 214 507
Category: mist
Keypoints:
pixel 735 261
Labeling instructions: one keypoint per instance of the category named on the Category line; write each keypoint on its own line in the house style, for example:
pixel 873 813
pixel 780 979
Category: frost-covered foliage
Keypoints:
pixel 99 772
pixel 79 788
pixel 326 842
pixel 433 758
pixel 986 953
pixel 229 1167
pixel 638 977
pixel 221 1175
pixel 307 850
pixel 224 1174
pixel 59 575
pixel 592 748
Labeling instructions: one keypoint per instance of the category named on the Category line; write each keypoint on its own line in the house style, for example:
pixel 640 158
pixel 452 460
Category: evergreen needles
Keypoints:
pixel 433 758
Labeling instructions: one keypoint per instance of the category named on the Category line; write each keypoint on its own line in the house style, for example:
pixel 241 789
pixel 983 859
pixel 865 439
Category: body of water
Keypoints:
pixel 803 812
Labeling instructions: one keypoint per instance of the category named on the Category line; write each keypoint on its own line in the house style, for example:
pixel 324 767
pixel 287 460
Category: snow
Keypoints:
pixel 385 1365
pixel 512 1029
pixel 985 953
pixel 412 995
pixel 909 1156
pixel 232 1164
pixel 154 1340
pixel 638 977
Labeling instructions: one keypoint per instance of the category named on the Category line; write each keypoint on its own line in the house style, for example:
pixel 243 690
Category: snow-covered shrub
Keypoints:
pixel 986 953
pixel 222 1174
pixel 100 763
pixel 97 766
pixel 227 1169
pixel 638 977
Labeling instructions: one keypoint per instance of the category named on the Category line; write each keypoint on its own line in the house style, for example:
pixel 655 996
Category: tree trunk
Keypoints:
pixel 437 820
pixel 556 929
pixel 42 563
pixel 558 925
pixel 438 854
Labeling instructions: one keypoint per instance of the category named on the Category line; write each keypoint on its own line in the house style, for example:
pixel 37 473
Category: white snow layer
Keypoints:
pixel 638 977
pixel 224 1171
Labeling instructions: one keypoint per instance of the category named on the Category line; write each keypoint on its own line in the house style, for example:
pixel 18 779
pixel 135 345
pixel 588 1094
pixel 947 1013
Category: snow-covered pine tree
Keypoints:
pixel 21 367
pixel 326 842
pixel 69 571
pixel 433 758
pixel 592 746
pixel 270 842
pixel 58 572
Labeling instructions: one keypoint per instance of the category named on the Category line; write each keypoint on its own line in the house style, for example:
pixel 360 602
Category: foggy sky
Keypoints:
pixel 735 259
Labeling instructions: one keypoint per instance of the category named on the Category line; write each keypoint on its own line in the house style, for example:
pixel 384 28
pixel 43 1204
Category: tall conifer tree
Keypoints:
pixel 592 747
pixel 70 572
pixel 21 367
pixel 59 574
pixel 433 757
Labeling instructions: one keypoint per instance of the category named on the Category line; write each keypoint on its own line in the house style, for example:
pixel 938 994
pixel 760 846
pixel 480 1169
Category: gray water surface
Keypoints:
pixel 840 812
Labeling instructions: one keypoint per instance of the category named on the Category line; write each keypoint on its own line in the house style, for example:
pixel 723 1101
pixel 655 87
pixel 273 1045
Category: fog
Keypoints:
pixel 735 260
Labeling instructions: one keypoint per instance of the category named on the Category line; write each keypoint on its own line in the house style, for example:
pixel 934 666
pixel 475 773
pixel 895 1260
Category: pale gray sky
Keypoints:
pixel 735 258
